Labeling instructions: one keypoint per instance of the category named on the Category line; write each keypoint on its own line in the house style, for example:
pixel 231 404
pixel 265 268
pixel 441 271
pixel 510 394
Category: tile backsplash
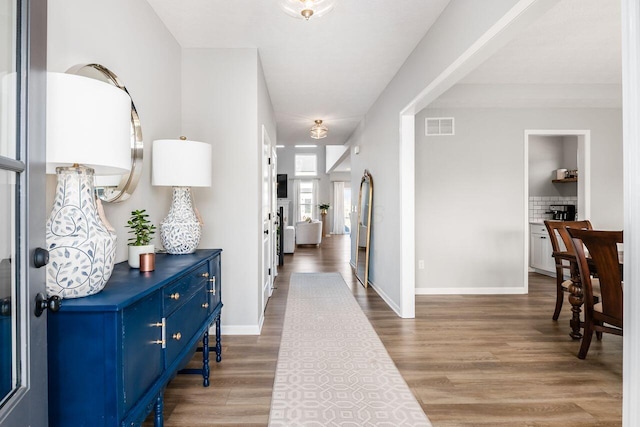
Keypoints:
pixel 538 205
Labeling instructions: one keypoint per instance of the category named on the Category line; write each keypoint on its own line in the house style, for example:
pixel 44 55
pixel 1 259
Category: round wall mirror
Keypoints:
pixel 116 188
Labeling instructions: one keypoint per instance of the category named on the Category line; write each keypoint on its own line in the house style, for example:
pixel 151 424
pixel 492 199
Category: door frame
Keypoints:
pixel 274 215
pixel 584 182
pixel 266 286
pixel 631 154
pixel 28 405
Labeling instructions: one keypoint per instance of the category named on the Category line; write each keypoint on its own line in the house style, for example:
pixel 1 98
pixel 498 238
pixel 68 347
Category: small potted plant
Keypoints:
pixel 143 231
pixel 324 207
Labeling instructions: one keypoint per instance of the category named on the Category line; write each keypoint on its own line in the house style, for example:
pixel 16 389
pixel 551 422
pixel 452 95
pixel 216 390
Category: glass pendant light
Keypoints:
pixel 319 131
pixel 307 9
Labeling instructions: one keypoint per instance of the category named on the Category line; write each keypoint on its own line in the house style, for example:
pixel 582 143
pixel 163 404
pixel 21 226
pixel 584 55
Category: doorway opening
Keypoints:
pixel 546 152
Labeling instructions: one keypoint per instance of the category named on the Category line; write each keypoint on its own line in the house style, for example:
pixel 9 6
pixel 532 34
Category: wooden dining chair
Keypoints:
pixel 564 256
pixel 605 315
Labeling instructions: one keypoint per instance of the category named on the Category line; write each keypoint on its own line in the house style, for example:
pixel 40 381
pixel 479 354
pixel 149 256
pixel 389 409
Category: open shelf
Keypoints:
pixel 564 180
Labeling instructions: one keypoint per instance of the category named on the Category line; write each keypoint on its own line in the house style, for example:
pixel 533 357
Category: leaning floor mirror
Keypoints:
pixel 363 235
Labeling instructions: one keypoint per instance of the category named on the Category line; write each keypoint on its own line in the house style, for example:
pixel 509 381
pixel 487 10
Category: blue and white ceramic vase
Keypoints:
pixel 181 230
pixel 81 248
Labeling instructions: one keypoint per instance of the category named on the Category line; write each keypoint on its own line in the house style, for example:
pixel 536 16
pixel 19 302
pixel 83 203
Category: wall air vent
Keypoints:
pixel 439 126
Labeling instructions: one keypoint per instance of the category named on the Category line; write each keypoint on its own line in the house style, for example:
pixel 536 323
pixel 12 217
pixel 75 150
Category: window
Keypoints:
pixel 306 200
pixel 306 165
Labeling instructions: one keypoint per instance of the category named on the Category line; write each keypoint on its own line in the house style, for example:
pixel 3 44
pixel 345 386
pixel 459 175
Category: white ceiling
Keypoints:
pixel 333 68
pixel 571 57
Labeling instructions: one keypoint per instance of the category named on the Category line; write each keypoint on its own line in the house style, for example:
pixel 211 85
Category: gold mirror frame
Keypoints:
pixel 363 233
pixel 120 187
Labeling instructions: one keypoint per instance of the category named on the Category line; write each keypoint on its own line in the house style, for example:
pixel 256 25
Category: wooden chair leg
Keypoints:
pixel 599 333
pixel 586 339
pixel 559 300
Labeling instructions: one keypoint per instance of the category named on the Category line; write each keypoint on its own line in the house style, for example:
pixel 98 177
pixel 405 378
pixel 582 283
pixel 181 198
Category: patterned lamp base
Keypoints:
pixel 181 230
pixel 81 248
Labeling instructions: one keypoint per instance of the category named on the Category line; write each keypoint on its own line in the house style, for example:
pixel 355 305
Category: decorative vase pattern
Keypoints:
pixel 81 249
pixel 180 231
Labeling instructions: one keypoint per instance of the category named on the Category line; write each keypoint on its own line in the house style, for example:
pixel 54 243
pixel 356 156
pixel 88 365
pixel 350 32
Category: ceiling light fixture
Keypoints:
pixel 305 146
pixel 305 9
pixel 319 131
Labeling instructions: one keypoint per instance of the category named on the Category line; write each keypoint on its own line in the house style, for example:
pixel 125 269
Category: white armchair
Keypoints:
pixel 308 233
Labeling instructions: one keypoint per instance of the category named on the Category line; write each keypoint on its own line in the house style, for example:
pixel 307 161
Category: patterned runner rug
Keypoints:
pixel 332 368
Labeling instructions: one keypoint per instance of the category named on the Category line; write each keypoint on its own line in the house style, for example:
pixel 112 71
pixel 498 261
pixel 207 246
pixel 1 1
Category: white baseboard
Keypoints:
pixel 392 304
pixel 471 291
pixel 261 323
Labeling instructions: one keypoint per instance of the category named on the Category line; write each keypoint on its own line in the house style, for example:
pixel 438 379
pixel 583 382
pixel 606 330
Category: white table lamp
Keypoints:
pixel 181 164
pixel 88 131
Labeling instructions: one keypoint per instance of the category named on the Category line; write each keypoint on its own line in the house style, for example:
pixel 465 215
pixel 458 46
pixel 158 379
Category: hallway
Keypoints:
pixel 471 360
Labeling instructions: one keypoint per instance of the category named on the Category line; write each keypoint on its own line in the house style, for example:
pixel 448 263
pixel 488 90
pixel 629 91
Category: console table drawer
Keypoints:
pixel 182 325
pixel 177 294
pixel 142 347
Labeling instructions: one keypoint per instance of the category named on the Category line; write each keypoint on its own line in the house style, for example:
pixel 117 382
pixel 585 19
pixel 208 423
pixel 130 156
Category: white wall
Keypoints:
pixel 460 25
pixel 546 155
pixel 472 186
pixel 128 38
pixel 225 103
pixel 216 96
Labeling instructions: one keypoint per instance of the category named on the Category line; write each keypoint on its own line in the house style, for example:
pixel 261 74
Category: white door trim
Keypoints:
pixel 631 150
pixel 407 217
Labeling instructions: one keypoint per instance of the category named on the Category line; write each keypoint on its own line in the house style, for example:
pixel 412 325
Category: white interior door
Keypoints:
pixel 23 335
pixel 267 229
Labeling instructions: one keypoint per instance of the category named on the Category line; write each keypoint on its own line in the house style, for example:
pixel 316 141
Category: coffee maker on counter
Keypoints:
pixel 563 212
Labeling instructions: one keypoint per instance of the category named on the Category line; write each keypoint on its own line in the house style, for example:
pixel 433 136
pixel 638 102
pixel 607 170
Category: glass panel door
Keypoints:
pixel 9 327
pixel 9 350
pixel 23 340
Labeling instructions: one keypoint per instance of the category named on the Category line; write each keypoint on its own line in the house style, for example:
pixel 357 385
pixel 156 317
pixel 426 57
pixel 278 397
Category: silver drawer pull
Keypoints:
pixel 212 291
pixel 205 274
pixel 175 296
pixel 161 342
pixel 213 280
pixel 158 324
pixel 177 336
pixel 205 305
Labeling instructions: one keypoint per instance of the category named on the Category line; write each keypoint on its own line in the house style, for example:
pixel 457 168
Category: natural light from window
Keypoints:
pixel 306 165
pixel 306 202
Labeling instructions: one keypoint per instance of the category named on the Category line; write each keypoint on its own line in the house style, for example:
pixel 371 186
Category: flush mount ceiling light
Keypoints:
pixel 305 9
pixel 319 131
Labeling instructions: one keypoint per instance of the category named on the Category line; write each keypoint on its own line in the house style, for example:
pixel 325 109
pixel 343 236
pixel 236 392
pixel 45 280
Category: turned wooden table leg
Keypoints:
pixel 576 298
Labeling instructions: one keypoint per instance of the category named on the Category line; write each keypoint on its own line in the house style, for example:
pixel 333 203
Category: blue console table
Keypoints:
pixel 112 354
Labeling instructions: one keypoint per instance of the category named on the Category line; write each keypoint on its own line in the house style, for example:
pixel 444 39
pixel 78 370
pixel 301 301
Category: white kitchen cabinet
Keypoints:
pixel 540 251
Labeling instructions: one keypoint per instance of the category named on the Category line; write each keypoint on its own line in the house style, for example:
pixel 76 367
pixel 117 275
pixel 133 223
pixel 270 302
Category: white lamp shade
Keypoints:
pixel 89 123
pixel 181 163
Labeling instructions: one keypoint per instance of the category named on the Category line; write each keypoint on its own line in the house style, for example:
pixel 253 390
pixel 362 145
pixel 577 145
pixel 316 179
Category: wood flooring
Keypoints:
pixel 472 360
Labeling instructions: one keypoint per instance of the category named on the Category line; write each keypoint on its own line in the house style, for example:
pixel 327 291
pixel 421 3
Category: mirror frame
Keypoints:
pixel 128 181
pixel 366 179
